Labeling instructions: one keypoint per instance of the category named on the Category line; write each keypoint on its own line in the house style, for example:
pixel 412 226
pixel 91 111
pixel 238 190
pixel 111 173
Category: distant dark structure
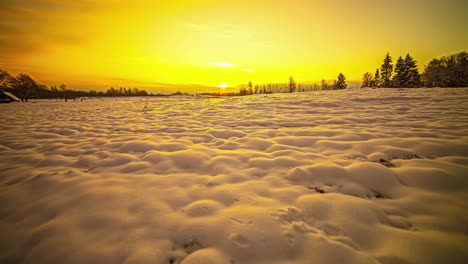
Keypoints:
pixel 7 97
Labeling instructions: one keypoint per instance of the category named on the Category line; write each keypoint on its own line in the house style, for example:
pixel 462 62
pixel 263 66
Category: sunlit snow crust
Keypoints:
pixel 368 176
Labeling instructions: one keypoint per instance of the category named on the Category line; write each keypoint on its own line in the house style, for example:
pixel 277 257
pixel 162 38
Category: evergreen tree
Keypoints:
pixel 400 78
pixel 433 75
pixel 376 79
pixel 412 78
pixel 386 71
pixel 340 82
pixel 447 72
pixel 461 71
pixel 450 68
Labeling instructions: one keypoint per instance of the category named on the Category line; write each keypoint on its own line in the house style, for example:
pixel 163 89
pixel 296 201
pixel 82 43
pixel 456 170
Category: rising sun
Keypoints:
pixel 223 85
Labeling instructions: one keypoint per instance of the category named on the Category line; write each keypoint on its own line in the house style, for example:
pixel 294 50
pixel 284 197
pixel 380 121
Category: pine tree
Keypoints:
pixel 400 78
pixel 412 78
pixel 433 75
pixel 461 72
pixel 376 79
pixel 450 69
pixel 340 82
pixel 386 71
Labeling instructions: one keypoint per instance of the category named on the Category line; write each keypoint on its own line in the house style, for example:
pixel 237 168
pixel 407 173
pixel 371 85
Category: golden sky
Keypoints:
pixel 141 43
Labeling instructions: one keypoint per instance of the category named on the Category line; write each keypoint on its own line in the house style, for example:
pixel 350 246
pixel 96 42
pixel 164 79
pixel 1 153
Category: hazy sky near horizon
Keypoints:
pixel 96 44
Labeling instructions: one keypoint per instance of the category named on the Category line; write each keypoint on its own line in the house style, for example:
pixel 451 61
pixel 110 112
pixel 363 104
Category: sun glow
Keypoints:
pixel 222 64
pixel 223 85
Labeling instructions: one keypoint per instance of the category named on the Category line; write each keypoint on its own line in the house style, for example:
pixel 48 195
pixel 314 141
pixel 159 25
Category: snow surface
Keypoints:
pixel 368 176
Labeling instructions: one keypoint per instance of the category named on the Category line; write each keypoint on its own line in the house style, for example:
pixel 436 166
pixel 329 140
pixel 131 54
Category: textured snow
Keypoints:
pixel 368 176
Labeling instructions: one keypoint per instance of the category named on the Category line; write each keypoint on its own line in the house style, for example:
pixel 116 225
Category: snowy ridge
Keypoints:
pixel 368 176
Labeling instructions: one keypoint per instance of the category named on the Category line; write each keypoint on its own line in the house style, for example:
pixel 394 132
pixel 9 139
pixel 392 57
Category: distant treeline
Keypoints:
pixel 451 71
pixel 291 86
pixel 122 91
pixel 26 88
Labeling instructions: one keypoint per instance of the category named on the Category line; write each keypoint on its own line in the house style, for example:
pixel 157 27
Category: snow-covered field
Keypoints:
pixel 375 176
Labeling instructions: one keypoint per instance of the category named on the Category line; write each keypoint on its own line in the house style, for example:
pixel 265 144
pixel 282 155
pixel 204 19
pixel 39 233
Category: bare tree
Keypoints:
pixel 6 80
pixel 367 80
pixel 24 85
pixel 292 85
pixel 63 88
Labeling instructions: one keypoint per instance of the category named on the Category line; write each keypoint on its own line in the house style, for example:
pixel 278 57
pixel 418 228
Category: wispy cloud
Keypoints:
pixel 228 64
pixel 222 64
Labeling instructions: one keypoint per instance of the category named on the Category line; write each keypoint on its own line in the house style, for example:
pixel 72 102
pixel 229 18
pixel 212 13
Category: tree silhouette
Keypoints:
pixel 406 73
pixel 376 78
pixel 324 85
pixel 386 71
pixel 250 87
pixel 367 80
pixel 400 79
pixel 340 82
pixel 6 80
pixel 292 85
pixel 24 85
pixel 63 88
pixel 447 72
pixel 461 71
pixel 434 73
pixel 412 78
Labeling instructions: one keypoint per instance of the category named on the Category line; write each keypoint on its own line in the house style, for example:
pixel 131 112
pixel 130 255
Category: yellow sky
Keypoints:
pixel 142 43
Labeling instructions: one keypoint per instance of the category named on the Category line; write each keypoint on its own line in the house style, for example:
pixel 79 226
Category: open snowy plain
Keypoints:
pixel 369 176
